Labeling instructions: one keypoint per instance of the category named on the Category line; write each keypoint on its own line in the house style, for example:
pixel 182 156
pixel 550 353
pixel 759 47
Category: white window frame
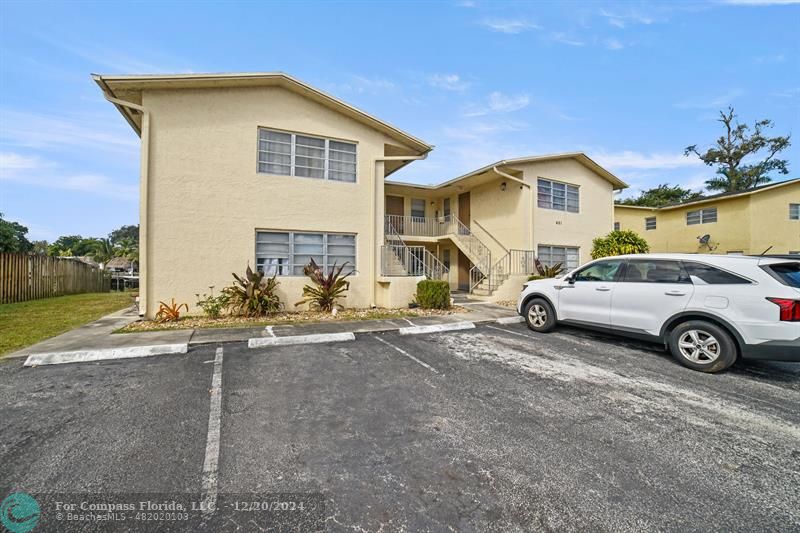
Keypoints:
pixel 566 264
pixel 424 207
pixel 702 216
pixel 292 164
pixel 568 187
pixel 290 265
pixel 650 223
pixel 794 211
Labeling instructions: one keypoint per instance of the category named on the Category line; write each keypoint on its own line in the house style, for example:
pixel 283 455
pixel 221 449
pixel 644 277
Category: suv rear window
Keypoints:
pixel 786 273
pixel 711 275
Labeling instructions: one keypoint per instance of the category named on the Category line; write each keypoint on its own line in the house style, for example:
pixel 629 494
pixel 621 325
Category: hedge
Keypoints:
pixel 433 294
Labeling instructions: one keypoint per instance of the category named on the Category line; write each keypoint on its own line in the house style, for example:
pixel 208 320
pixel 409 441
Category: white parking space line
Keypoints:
pixel 436 328
pixel 510 320
pixel 402 351
pixel 268 329
pixel 511 332
pixel 210 465
pixel 315 338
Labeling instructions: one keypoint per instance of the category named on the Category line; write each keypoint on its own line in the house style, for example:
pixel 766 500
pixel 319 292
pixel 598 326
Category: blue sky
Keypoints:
pixel 631 84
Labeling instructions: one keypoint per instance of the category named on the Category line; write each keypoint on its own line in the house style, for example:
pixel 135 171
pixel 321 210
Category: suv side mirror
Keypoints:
pixel 570 279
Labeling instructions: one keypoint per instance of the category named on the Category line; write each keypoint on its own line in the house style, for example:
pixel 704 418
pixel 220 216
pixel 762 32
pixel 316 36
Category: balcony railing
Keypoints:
pixel 403 260
pixel 423 226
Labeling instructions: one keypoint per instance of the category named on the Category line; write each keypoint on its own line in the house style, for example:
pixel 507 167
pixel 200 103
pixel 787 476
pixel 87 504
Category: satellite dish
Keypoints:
pixel 704 239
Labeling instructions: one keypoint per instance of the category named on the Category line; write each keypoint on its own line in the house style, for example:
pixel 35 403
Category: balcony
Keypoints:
pixel 424 226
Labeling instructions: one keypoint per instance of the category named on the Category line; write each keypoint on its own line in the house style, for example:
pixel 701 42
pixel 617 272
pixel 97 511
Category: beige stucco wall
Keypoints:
pixel 206 199
pixel 596 216
pixel 395 292
pixel 748 224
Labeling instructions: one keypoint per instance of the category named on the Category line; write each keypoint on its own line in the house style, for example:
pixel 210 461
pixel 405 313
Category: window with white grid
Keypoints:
pixel 293 154
pixel 558 196
pixel 568 256
pixel 285 253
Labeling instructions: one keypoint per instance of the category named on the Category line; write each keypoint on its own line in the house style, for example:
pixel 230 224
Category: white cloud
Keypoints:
pixel 635 160
pixel 759 2
pixel 622 20
pixel 35 130
pixel 365 84
pixel 613 44
pixel 509 25
pixel 474 131
pixel 501 103
pixel 563 38
pixel 716 102
pixel 32 171
pixel 449 82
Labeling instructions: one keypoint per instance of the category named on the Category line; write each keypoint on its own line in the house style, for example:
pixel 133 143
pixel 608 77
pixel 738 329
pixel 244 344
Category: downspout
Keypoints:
pixel 143 194
pixel 530 206
pixel 372 209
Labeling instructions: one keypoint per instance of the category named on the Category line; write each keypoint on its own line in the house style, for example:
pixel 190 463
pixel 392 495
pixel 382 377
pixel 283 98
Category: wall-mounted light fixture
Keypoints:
pixel 503 186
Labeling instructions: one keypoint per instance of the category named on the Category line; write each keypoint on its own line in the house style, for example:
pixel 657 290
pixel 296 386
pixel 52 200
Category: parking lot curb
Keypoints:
pixel 510 320
pixel 85 356
pixel 260 342
pixel 436 328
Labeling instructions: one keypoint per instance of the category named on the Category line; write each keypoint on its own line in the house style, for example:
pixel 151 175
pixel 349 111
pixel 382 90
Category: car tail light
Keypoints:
pixel 790 309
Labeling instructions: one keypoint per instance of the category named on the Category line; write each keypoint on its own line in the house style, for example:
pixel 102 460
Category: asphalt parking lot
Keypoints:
pixel 496 428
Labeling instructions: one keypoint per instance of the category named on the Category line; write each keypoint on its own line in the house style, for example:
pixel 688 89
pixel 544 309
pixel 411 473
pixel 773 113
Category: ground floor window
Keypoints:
pixel 285 253
pixel 568 256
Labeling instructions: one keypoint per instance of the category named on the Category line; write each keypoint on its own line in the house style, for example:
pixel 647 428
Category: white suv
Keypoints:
pixel 708 310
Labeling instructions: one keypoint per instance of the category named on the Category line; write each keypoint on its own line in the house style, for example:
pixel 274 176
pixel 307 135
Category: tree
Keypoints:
pixel 125 232
pixel 663 194
pixel 13 237
pixel 103 251
pixel 72 245
pixel 129 249
pixel 736 145
pixel 40 247
pixel 619 242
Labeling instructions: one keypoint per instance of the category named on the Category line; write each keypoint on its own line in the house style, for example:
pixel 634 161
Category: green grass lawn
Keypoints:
pixel 26 323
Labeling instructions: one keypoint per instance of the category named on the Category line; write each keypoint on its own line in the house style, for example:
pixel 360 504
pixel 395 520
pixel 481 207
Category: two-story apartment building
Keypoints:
pixel 762 219
pixel 263 169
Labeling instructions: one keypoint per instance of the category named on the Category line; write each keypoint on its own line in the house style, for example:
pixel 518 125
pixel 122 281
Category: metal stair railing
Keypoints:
pixel 413 260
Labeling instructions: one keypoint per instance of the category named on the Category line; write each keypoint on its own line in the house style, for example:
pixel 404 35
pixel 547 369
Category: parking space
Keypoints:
pixel 496 428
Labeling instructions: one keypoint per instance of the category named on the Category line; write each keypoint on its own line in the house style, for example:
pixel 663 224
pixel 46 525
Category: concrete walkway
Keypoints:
pixel 98 336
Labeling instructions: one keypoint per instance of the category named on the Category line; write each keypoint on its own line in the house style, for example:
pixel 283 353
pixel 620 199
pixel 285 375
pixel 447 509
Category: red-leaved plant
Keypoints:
pixel 326 288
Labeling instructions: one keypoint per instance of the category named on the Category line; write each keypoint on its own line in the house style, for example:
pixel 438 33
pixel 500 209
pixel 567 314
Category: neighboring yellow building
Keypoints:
pixel 262 169
pixel 764 219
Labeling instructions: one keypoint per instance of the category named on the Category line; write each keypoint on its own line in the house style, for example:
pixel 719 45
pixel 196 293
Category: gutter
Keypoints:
pixel 372 211
pixel 144 168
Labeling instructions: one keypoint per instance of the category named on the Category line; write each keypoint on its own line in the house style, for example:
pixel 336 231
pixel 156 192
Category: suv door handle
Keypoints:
pixel 603 289
pixel 675 293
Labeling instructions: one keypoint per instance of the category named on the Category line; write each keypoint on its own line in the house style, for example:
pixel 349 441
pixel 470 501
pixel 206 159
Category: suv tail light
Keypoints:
pixel 790 309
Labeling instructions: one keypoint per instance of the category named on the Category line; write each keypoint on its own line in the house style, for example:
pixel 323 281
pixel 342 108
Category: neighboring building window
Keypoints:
pixel 418 208
pixel 616 226
pixel 708 275
pixel 600 271
pixel 794 211
pixel 650 223
pixel 286 253
pixel 558 196
pixel 292 154
pixel 552 255
pixel 646 271
pixel 446 207
pixel 701 216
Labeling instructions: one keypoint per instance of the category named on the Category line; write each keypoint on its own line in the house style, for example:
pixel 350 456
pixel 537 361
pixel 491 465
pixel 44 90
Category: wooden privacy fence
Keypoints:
pixel 30 277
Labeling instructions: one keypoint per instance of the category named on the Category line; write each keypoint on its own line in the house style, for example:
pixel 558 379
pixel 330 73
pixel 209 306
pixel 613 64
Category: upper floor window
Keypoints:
pixel 558 196
pixel 446 207
pixel 293 154
pixel 701 216
pixel 418 207
pixel 794 211
pixel 650 223
pixel 286 253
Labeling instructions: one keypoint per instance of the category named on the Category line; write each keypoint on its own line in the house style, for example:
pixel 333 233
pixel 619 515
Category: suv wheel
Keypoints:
pixel 702 346
pixel 539 315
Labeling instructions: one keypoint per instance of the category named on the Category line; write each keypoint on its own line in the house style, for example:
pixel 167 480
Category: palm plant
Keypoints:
pixel 326 288
pixel 103 251
pixel 548 271
pixel 253 294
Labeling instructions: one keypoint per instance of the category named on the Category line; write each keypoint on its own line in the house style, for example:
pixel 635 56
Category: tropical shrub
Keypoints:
pixel 170 312
pixel 325 288
pixel 534 277
pixel 253 294
pixel 433 294
pixel 547 271
pixel 619 242
pixel 212 305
